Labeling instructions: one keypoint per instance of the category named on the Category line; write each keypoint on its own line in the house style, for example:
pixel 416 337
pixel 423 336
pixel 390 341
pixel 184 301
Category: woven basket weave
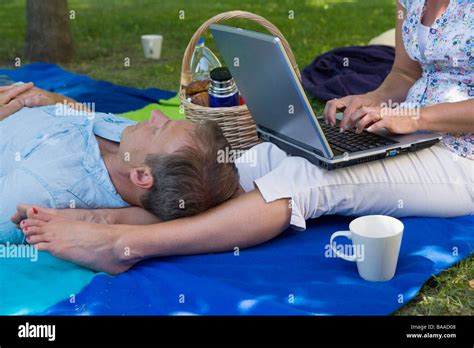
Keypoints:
pixel 236 122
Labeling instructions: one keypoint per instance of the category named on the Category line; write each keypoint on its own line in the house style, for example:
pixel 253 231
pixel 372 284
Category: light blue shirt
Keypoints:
pixel 49 156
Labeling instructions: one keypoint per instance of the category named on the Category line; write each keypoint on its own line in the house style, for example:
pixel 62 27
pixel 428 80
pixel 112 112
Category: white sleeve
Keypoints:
pixel 295 178
pixel 257 162
pixel 278 175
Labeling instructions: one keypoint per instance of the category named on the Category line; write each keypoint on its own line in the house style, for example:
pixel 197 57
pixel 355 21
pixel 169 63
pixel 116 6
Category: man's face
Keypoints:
pixel 158 135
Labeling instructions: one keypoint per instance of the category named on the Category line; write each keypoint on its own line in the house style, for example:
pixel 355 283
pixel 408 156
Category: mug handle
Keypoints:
pixel 337 252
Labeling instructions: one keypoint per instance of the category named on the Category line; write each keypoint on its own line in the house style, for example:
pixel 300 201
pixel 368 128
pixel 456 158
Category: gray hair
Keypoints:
pixel 191 179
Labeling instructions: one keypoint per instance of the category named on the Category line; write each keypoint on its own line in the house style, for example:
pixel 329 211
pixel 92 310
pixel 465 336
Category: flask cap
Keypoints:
pixel 220 74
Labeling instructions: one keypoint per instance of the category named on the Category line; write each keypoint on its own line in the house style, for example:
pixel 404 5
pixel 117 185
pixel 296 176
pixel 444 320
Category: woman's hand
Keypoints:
pixel 349 104
pixel 395 120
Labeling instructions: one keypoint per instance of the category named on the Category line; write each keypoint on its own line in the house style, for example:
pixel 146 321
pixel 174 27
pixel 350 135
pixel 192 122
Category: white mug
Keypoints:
pixel 152 46
pixel 376 241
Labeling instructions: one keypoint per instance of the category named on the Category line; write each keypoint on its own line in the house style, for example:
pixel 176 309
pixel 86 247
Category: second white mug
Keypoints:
pixel 152 46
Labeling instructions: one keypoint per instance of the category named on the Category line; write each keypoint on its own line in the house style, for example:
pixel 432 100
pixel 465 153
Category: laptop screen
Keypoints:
pixel 269 86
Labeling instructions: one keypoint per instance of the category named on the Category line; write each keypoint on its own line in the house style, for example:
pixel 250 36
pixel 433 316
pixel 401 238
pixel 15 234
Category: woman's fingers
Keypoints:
pixel 8 94
pixel 355 105
pixel 331 108
pixel 378 125
pixel 366 120
pixel 350 119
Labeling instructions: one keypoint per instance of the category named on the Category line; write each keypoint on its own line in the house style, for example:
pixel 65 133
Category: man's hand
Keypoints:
pixel 14 97
pixel 40 97
pixel 9 102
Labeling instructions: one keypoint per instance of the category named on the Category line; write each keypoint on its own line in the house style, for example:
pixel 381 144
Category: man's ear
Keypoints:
pixel 142 177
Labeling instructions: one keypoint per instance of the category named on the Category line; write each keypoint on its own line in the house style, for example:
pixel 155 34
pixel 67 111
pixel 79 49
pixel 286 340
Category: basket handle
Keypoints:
pixel 186 76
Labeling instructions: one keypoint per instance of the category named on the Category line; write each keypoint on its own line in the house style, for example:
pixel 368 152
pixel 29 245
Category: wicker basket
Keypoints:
pixel 236 122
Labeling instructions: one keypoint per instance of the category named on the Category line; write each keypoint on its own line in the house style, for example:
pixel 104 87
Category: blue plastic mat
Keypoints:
pixel 287 276
pixel 106 96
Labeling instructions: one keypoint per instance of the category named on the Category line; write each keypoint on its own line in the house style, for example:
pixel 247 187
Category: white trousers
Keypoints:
pixel 430 182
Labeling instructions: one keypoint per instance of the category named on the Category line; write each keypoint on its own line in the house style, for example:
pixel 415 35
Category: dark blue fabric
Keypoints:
pixel 106 96
pixel 348 70
pixel 265 279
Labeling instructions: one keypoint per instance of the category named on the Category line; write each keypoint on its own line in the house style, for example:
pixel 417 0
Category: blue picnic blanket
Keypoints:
pixel 106 96
pixel 289 275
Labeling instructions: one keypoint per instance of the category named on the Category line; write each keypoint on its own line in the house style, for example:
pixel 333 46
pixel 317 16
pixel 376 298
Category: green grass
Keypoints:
pixel 108 31
pixel 446 294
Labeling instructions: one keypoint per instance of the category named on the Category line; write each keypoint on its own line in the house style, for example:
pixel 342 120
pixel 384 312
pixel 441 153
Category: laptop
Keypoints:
pixel 283 115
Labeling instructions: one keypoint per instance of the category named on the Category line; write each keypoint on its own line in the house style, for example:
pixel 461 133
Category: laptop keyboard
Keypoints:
pixel 350 141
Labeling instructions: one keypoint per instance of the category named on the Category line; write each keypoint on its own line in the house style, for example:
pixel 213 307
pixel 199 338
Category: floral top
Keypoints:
pixel 447 63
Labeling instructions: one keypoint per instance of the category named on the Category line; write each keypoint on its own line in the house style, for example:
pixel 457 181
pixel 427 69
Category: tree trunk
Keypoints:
pixel 48 36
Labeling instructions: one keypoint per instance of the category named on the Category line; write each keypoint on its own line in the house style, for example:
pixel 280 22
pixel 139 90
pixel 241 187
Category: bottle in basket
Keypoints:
pixel 223 90
pixel 203 61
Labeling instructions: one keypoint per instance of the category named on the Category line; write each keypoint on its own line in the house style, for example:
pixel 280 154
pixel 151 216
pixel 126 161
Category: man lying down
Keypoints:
pixel 57 156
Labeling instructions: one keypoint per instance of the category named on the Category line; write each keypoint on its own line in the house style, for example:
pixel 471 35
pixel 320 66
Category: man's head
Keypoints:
pixel 175 167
